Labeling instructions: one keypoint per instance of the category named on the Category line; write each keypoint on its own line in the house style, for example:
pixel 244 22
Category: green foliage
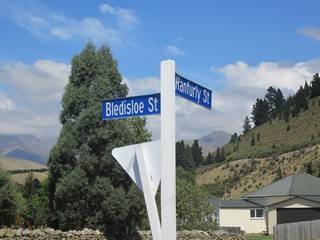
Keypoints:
pixel 193 208
pixel 246 125
pixel 275 100
pixel 184 156
pixel 36 199
pixel 234 136
pixel 210 158
pixel 315 86
pixel 260 112
pixel 252 140
pixel 186 175
pixel 84 149
pixel 11 201
pixel 196 151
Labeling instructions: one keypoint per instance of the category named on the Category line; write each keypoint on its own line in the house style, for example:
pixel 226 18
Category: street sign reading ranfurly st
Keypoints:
pixel 193 92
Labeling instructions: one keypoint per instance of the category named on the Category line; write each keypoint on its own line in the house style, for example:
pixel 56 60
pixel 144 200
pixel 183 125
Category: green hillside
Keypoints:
pixel 278 136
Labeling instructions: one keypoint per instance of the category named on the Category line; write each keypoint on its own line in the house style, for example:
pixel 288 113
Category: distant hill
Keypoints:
pixel 9 164
pixel 211 141
pixel 277 136
pixel 237 178
pixel 273 150
pixel 23 154
pixel 25 147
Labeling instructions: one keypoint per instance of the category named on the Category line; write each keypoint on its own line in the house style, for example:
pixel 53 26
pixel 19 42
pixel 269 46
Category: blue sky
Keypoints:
pixel 237 48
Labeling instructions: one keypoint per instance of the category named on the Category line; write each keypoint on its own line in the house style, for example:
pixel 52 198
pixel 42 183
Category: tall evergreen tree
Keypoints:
pixel 234 137
pixel 184 156
pixel 260 112
pixel 210 158
pixel 86 185
pixel 271 98
pixel 275 100
pixel 217 157
pixel 315 86
pixel 246 125
pixel 306 89
pixel 197 153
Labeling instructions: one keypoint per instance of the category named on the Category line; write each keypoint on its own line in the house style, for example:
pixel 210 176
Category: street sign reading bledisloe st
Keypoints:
pixel 131 107
pixel 193 92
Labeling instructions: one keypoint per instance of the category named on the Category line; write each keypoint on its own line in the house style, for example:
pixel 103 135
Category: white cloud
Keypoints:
pixel 46 23
pixel 142 86
pixel 6 104
pixel 44 80
pixel 310 32
pixel 35 93
pixel 126 17
pixel 174 50
pixel 284 76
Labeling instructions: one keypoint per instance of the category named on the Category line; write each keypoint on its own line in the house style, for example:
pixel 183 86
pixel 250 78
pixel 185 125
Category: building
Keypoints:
pixel 292 199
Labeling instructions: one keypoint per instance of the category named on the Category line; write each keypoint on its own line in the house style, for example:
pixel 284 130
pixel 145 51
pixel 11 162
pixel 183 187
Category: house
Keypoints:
pixel 291 199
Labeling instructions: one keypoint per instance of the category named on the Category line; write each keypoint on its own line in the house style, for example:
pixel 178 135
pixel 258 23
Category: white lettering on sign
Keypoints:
pixel 186 88
pixel 125 107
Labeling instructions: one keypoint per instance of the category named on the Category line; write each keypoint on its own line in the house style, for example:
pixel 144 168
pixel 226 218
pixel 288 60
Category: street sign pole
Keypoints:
pixel 168 150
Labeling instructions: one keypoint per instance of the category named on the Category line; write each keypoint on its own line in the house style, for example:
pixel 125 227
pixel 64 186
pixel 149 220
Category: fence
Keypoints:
pixel 297 231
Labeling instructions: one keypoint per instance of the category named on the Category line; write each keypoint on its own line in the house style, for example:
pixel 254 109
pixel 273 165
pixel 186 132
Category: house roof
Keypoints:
pixel 301 184
pixel 231 203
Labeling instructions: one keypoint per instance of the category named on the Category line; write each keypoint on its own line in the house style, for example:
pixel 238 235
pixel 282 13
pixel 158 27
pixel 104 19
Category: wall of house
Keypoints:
pixel 292 203
pixel 233 217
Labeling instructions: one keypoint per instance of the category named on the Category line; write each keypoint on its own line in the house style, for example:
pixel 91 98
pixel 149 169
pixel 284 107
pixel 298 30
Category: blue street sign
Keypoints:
pixel 193 92
pixel 131 107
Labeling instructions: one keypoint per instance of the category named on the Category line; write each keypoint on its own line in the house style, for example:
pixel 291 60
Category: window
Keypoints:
pixel 256 213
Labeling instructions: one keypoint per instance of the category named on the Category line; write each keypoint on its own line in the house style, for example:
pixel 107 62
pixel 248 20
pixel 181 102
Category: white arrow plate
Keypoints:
pixel 126 157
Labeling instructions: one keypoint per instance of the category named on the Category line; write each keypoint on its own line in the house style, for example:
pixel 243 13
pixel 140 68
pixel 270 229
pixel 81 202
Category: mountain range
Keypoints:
pixel 211 141
pixel 26 147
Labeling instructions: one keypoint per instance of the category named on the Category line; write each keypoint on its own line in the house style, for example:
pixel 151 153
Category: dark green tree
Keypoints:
pixel 217 157
pixel 306 89
pixel 234 137
pixel 246 125
pixel 11 201
pixel 84 149
pixel 252 140
pixel 184 156
pixel 210 158
pixel 260 112
pixel 315 86
pixel 222 155
pixel 197 153
pixel 275 100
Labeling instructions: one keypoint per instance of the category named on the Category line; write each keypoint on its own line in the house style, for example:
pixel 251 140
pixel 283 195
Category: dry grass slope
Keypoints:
pixel 253 174
pixel 14 164
pixel 8 164
pixel 278 136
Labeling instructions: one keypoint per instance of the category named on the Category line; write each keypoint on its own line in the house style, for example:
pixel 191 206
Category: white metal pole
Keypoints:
pixel 148 195
pixel 168 150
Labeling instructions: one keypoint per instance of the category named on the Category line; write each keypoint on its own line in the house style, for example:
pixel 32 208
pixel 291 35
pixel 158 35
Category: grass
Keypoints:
pixel 14 164
pixel 258 237
pixel 276 146
pixel 8 164
pixel 21 177
pixel 244 176
pixel 274 136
